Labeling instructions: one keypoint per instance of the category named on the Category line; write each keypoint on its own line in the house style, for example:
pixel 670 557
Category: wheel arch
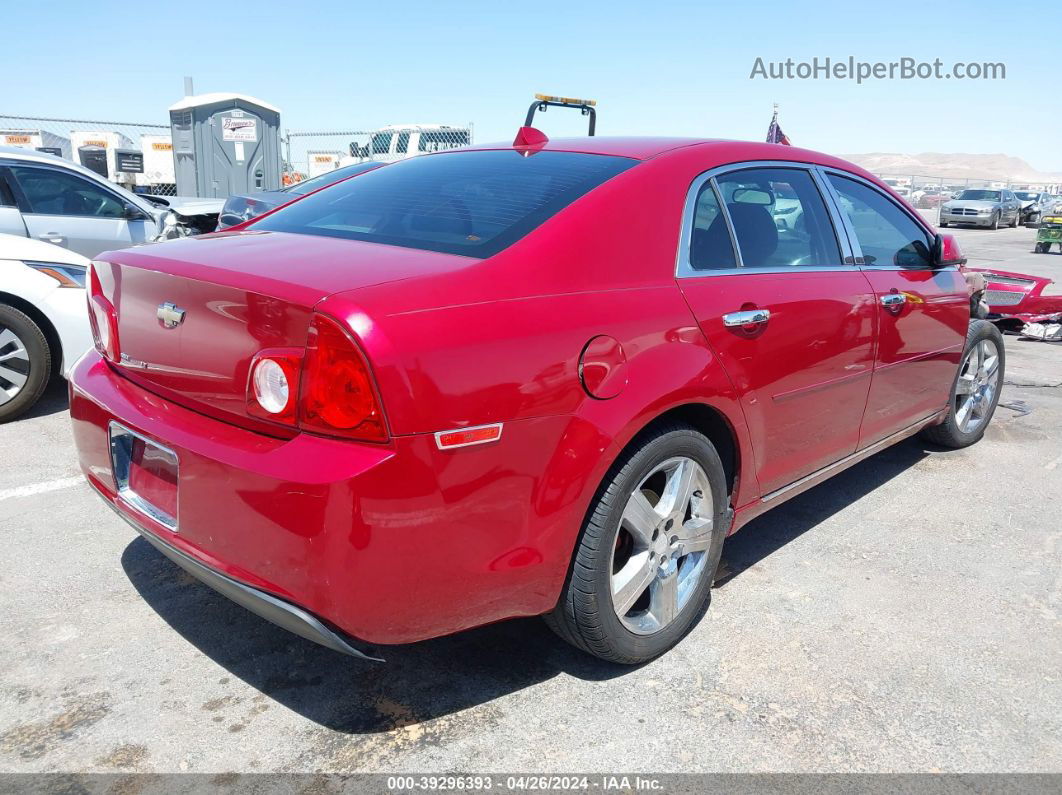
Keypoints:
pixel 55 345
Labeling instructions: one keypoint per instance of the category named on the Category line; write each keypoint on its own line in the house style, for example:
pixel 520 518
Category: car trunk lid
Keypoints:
pixel 193 313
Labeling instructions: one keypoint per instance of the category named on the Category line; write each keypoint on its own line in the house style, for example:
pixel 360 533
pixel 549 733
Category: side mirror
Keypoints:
pixel 134 214
pixel 946 252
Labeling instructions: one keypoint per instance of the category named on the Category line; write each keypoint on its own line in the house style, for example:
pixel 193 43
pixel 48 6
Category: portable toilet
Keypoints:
pixel 225 144
pixel 41 140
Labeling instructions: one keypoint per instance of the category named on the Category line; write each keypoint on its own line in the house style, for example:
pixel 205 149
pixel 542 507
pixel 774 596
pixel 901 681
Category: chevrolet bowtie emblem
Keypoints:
pixel 170 315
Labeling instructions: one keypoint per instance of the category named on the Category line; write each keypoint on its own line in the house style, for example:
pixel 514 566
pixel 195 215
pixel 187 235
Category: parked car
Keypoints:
pixel 930 197
pixel 244 207
pixel 982 207
pixel 480 384
pixel 48 198
pixel 1032 204
pixel 43 322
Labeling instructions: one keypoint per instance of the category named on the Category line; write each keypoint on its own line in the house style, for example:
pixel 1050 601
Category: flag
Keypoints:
pixel 775 134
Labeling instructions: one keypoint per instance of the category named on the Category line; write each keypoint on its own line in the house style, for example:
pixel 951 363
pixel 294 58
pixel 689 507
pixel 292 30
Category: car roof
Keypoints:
pixel 30 155
pixel 722 150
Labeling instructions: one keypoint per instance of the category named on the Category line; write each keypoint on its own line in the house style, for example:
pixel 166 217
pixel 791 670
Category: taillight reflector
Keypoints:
pixel 273 385
pixel 463 437
pixel 337 394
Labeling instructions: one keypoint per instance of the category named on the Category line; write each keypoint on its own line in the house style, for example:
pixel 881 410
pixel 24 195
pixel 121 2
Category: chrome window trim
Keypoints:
pixel 684 269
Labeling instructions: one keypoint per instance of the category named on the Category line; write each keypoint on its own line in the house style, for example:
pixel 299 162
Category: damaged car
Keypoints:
pixel 1015 299
pixel 49 198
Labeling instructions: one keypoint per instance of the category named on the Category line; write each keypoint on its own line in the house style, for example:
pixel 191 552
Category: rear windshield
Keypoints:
pixel 471 203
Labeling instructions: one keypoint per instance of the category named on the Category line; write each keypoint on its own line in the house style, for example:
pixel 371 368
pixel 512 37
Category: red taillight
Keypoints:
pixel 102 318
pixel 337 393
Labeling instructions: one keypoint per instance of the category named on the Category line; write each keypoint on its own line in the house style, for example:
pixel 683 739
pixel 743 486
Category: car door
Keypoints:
pixel 922 313
pixel 11 222
pixel 791 323
pixel 65 208
pixel 1015 205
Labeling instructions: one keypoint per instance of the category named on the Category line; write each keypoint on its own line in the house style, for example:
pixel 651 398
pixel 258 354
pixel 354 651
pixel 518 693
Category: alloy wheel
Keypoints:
pixel 14 365
pixel 661 546
pixel 976 386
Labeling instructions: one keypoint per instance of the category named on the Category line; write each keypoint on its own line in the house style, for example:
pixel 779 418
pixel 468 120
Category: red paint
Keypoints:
pixel 397 540
pixel 603 367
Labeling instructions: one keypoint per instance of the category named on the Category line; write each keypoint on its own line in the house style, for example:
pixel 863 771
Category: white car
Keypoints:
pixel 49 198
pixel 44 325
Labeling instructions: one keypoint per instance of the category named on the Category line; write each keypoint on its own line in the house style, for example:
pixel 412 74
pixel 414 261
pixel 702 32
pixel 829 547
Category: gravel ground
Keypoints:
pixel 904 616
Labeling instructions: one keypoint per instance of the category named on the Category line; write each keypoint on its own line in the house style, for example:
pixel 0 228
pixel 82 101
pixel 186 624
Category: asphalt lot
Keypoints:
pixel 904 616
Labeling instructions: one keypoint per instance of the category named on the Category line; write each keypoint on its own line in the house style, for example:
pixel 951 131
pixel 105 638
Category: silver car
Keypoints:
pixel 982 207
pixel 52 199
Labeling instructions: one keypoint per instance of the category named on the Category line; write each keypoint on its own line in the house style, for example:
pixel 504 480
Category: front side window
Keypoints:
pixel 779 218
pixel 380 144
pixel 470 203
pixel 53 192
pixel 886 234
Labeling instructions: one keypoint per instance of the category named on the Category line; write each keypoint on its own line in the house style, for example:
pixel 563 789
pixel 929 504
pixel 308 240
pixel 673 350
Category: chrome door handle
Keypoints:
pixel 52 237
pixel 748 317
pixel 893 300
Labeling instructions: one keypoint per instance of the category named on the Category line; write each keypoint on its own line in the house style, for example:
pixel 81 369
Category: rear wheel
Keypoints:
pixel 975 391
pixel 648 553
pixel 25 362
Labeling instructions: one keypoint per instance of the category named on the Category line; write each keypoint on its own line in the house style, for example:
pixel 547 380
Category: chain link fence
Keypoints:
pixel 95 144
pixel 308 154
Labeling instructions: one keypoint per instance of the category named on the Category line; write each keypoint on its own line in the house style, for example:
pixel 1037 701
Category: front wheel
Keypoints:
pixel 1016 221
pixel 25 362
pixel 995 222
pixel 975 391
pixel 648 553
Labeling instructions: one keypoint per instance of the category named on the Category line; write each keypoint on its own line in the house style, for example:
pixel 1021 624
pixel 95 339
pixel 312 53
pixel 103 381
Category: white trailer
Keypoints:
pixel 85 142
pixel 158 177
pixel 40 140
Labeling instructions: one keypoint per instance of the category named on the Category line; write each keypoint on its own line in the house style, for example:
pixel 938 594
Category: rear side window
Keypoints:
pixel 779 218
pixel 886 234
pixel 710 245
pixel 470 203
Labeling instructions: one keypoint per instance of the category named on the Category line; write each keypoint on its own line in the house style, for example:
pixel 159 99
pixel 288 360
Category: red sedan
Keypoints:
pixel 540 379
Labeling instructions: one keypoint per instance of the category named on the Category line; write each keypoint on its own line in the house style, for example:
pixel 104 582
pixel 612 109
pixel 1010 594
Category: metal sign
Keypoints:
pixel 129 161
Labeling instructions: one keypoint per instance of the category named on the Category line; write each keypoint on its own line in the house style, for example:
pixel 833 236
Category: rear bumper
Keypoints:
pixel 383 543
pixel 283 614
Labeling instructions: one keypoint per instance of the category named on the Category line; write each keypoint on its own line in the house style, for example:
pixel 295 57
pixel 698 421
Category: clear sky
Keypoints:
pixel 655 67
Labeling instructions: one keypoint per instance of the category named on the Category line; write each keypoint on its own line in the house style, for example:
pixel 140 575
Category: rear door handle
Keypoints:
pixel 893 300
pixel 747 317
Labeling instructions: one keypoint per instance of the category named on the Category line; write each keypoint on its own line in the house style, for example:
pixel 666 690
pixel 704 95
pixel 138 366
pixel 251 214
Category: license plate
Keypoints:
pixel 145 475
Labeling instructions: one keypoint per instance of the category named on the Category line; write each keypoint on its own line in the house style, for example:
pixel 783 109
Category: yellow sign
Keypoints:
pixel 101 144
pixel 323 158
pixel 17 139
pixel 162 147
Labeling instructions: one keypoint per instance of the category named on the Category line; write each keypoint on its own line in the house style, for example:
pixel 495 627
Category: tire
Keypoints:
pixel 995 222
pixel 943 224
pixel 611 544
pixel 1016 221
pixel 25 362
pixel 974 392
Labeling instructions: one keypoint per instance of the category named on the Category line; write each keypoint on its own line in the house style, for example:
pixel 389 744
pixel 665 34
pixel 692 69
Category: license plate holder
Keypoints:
pixel 146 475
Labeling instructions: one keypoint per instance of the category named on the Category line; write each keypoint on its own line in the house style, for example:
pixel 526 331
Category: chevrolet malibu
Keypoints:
pixel 546 378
